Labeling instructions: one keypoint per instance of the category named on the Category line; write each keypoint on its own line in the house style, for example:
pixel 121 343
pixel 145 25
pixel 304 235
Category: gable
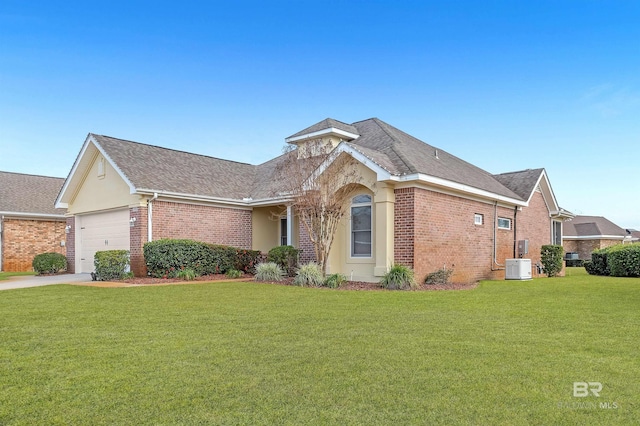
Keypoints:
pixel 101 188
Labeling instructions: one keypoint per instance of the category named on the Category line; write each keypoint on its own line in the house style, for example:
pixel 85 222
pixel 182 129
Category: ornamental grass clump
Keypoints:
pixel 399 277
pixel 334 280
pixel 269 271
pixel 309 275
pixel 233 274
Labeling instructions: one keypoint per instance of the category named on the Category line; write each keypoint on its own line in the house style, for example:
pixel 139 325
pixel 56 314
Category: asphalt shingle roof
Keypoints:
pixel 584 226
pixel 410 155
pixel 162 169
pixel 522 183
pixel 21 193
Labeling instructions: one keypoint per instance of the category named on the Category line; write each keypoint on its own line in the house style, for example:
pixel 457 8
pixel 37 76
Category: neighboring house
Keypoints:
pixel 29 223
pixel 417 205
pixel 584 234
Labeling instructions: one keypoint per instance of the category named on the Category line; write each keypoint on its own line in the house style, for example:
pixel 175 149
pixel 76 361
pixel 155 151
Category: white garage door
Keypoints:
pixel 102 231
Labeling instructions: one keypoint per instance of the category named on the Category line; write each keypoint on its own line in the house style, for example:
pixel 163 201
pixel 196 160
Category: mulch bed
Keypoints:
pixel 349 285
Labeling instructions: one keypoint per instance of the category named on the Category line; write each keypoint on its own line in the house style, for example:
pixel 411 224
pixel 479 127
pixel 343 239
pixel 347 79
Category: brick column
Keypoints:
pixel 71 244
pixel 137 238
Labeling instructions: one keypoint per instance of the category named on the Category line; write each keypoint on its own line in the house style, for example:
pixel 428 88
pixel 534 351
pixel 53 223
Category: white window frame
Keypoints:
pixel 478 219
pixel 508 227
pixel 351 245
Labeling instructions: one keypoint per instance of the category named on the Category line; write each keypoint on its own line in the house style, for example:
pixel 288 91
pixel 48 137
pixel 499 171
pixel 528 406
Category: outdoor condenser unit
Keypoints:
pixel 518 269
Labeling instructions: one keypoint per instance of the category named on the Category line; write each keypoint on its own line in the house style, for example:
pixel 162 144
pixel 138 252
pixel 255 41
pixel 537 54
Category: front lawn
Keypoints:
pixel 244 353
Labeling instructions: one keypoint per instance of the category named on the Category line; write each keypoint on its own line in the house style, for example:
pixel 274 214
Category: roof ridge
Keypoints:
pixel 519 171
pixel 31 174
pixel 173 149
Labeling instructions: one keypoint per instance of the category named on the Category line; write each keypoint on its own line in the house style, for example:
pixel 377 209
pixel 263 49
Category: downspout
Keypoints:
pixel 495 239
pixel 1 239
pixel 515 231
pixel 150 216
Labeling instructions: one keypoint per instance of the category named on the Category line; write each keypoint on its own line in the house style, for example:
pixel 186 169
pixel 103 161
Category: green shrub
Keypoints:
pixel 49 263
pixel 269 271
pixel 399 277
pixel 334 280
pixel 551 258
pixel 441 276
pixel 111 264
pixel 165 257
pixel 233 274
pixel 286 257
pixel 598 263
pixel 246 260
pixel 186 274
pixel 624 260
pixel 309 275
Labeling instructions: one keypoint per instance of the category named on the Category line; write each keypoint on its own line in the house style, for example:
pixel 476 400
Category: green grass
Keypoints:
pixel 246 353
pixel 7 275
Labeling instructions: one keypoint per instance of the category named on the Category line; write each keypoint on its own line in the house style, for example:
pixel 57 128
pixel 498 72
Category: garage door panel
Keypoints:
pixel 102 231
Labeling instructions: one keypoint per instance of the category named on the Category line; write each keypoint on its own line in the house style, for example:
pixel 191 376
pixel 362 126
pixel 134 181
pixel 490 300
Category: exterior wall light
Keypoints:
pixel 132 222
pixel 67 229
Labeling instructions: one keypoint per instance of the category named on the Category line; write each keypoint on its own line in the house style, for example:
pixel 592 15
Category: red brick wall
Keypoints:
pixel 304 243
pixel 534 224
pixel 434 230
pixel 23 239
pixel 403 237
pixel 137 237
pixel 584 248
pixel 71 245
pixel 215 225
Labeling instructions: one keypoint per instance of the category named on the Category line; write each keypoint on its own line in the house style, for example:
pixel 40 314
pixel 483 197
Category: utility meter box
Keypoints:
pixel 518 269
pixel 523 248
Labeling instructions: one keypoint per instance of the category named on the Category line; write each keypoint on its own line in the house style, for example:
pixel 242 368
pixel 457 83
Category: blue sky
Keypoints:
pixel 504 85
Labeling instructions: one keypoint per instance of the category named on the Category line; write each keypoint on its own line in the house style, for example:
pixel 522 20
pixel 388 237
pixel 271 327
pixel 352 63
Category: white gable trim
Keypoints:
pixel 78 173
pixel 329 131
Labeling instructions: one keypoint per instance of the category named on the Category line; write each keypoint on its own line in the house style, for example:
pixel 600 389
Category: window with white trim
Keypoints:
pixel 478 219
pixel 504 223
pixel 361 226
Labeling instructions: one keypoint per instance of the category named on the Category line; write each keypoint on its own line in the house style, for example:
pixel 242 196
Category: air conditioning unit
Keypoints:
pixel 518 269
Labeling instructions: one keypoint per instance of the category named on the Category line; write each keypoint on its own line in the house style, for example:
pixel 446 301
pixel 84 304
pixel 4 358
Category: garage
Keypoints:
pixel 102 231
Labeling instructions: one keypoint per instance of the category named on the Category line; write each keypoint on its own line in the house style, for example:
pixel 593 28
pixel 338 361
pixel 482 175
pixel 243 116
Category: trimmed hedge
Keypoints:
pixel 165 258
pixel 49 263
pixel 111 264
pixel 624 260
pixel 598 263
pixel 621 260
pixel 551 258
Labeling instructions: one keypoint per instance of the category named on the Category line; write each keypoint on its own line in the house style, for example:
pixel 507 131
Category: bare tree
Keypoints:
pixel 320 183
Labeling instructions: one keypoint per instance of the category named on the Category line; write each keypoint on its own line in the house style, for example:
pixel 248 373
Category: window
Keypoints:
pixel 557 233
pixel 504 223
pixel 283 231
pixel 478 219
pixel 361 226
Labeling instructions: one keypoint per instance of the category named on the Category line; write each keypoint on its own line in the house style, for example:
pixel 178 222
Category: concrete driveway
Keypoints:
pixel 33 281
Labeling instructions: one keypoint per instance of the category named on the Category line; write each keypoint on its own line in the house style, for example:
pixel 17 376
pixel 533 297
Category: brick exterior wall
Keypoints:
pixel 403 236
pixel 534 224
pixel 71 245
pixel 434 230
pixel 23 239
pixel 304 243
pixel 231 227
pixel 138 235
pixel 584 248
